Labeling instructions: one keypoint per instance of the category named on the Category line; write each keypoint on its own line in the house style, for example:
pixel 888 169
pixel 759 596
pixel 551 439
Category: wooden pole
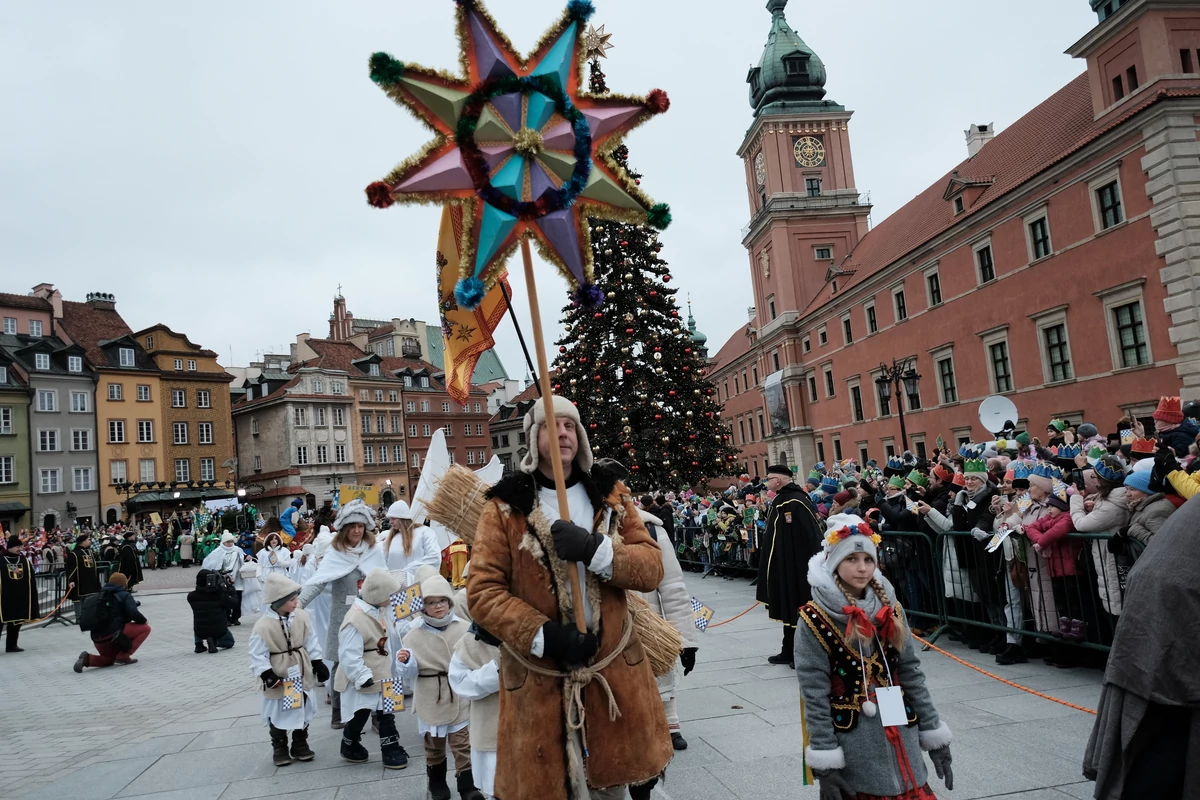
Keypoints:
pixel 560 481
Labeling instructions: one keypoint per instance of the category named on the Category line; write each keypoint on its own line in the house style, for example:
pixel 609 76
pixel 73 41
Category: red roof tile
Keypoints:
pixel 1050 132
pixel 25 301
pixel 87 325
pixel 736 347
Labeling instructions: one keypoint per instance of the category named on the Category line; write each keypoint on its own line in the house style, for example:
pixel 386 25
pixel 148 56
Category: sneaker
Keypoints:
pixel 678 742
pixel 1013 654
pixel 81 662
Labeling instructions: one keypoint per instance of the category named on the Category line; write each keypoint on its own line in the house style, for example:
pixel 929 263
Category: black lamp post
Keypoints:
pixel 903 376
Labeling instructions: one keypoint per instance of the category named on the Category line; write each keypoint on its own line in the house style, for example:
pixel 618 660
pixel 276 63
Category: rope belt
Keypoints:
pixel 577 679
pixel 440 677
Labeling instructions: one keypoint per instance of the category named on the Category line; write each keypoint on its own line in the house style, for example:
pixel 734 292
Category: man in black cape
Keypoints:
pixel 793 535
pixel 129 564
pixel 82 578
pixel 18 594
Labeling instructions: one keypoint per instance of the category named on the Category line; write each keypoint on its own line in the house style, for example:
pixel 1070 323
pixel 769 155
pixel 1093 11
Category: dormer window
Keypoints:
pixel 424 383
pixel 408 381
pixel 959 206
pixel 373 370
pixel 795 65
pixel 126 356
pixel 41 361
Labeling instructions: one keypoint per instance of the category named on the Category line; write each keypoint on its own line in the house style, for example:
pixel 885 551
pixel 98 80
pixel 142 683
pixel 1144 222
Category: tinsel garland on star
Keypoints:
pixel 631 366
pixel 520 146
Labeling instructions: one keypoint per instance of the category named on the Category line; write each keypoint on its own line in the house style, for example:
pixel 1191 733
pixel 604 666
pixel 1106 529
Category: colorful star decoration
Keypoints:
pixel 521 147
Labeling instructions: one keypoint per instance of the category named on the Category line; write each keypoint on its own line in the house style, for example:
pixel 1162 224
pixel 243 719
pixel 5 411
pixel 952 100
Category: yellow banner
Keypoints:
pixel 467 335
pixel 368 494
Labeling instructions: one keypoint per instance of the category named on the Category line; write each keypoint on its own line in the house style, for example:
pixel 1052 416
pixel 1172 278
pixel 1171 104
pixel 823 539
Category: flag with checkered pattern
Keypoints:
pixel 701 614
pixel 393 696
pixel 407 602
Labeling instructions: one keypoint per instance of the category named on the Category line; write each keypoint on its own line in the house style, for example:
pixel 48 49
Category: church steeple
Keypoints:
pixel 699 340
pixel 790 77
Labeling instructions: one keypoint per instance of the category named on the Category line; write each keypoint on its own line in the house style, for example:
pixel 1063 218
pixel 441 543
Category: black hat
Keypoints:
pixel 779 469
pixel 14 542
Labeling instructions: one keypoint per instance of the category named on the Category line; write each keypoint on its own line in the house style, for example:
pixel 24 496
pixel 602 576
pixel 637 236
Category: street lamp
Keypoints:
pixel 903 376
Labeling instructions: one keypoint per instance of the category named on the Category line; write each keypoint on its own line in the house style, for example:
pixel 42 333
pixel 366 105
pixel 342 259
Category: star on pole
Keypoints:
pixel 595 42
pixel 521 145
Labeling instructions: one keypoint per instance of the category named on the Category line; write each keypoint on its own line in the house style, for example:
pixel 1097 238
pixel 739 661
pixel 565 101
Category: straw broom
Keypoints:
pixel 662 642
pixel 458 502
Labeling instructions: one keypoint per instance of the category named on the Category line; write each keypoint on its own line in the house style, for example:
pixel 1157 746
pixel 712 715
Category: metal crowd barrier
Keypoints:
pixel 1072 595
pixel 51 586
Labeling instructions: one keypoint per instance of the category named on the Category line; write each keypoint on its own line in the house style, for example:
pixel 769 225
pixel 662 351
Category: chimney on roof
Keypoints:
pixel 47 292
pixel 978 136
pixel 102 300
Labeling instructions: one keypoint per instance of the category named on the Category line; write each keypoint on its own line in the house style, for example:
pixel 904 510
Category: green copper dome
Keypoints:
pixel 790 76
pixel 698 338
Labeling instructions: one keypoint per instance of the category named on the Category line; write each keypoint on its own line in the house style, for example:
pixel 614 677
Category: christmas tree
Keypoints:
pixel 630 364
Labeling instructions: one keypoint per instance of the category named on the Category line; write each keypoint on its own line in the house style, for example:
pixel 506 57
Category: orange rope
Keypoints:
pixel 731 619
pixel 1002 680
pixel 52 613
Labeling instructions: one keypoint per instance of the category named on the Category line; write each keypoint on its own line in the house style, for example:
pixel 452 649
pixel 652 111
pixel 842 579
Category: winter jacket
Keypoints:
pixel 1186 484
pixel 671 600
pixel 124 610
pixel 1109 515
pixel 1148 516
pixel 211 608
pixel 895 513
pixel 1058 552
pixel 1181 438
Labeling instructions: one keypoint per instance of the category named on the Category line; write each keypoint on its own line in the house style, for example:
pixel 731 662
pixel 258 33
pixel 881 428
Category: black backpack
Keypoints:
pixel 96 612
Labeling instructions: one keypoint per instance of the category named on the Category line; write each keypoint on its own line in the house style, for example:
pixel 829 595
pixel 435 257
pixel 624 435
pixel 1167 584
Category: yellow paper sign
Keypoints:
pixel 393 696
pixel 368 494
pixel 155 518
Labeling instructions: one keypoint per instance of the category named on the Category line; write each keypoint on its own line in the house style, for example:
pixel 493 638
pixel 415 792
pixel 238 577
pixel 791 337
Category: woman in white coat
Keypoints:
pixel 273 559
pixel 227 559
pixel 408 545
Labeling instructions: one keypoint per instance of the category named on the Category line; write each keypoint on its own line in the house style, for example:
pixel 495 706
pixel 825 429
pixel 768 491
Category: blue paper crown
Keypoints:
pixel 830 485
pixel 1044 470
pixel 1109 474
pixel 895 462
pixel 820 465
pixel 1069 451
pixel 970 451
pixel 1021 471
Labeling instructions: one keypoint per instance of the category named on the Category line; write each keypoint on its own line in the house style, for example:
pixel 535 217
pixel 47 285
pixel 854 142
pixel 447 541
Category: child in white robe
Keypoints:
pixel 273 559
pixel 284 645
pixel 475 677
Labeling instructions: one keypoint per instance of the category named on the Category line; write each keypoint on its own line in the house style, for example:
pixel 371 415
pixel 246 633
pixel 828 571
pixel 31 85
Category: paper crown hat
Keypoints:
pixel 896 481
pixel 1111 474
pixel 919 479
pixel 976 467
pixel 1144 447
pixel 1020 471
pixel 895 462
pixel 1044 470
pixel 1069 451
pixel 970 451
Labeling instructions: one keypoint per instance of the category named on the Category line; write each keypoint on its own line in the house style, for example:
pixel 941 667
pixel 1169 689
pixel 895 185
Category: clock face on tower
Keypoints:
pixel 809 151
pixel 760 169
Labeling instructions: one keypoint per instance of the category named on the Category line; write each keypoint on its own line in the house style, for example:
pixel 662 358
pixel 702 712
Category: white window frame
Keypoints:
pixel 818 257
pixel 191 365
pixel 364 395
pixel 869 307
pixel 412 430
pixel 74 364
pixel 383 454
pixel 318 387
pixel 113 470
pixel 3 375
pixel 426 432
pixel 339 453
pixel 35 328
pixel 1111 299
pixel 8 469
pixel 398 453
pixel 411 407
pixel 179 365
pixel 86 435
pixel 322 454
pixel 41 361
pixel 178 398
pixel 254 426
pixel 208 469
pixel 116 392
pixel 183 470
pixel 479 429
pixel 368 454
pixel 85 407
pixel 150 427
pixel 6 418
pixel 300 416
pixel 811 382
pixel 976 247
pixel 1048 319
pixel 1027 220
pixel 203 398
pixel 258 463
pixel 896 292
pixel 448 429
pixel 1111 175
pixel 42 396
pixel 85 473
pixel 319 416
pixel 339 417
pixel 112 423
pixel 822 335
pixel 336 387
pixel 144 475
pixel 302 455
pixel 446 408
pixel 939 354
pixel 424 406
pixel 989 338
pixel 379 395
pixel 53 437
pixel 424 382
pixel 930 272
pixel 10 325
pixel 56 474
pixel 204 433
pixel 415 461
pixel 851 385
pixel 147 398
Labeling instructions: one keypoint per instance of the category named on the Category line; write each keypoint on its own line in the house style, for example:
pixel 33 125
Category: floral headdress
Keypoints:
pixel 861 529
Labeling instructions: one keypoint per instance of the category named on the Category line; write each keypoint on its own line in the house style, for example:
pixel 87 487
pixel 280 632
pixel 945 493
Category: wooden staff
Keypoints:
pixel 560 482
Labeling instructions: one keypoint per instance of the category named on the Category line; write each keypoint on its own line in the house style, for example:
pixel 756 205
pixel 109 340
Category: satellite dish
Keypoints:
pixel 997 414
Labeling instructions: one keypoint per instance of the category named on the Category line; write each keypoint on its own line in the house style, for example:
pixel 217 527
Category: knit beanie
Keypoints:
pixel 352 512
pixel 437 586
pixel 1087 430
pixel 378 587
pixel 846 534
pixel 1140 481
pixel 399 510
pixel 278 589
pixel 536 418
pixel 1169 410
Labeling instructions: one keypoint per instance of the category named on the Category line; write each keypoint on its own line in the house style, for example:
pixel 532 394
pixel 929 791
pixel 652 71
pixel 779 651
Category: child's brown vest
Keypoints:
pixel 372 631
pixel 271 631
pixel 436 702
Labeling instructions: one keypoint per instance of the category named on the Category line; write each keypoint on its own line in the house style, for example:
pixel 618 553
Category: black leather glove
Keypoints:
pixel 320 670
pixel 567 645
pixel 369 683
pixel 483 635
pixel 573 543
pixel 941 765
pixel 833 785
pixel 1164 464
pixel 270 679
pixel 688 659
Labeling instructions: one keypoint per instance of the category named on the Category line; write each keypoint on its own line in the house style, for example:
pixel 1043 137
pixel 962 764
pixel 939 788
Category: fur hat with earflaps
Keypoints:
pixel 278 589
pixel 378 587
pixel 352 512
pixel 536 418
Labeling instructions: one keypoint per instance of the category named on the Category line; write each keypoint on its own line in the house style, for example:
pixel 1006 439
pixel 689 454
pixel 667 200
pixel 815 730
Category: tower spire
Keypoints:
pixel 790 76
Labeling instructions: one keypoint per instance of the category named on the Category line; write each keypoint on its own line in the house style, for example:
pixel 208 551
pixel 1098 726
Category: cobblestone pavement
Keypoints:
pixel 181 726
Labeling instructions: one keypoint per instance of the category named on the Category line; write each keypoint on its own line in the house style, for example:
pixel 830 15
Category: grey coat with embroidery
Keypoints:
pixel 863 754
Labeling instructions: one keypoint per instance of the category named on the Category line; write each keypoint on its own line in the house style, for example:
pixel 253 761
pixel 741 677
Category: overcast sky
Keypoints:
pixel 205 162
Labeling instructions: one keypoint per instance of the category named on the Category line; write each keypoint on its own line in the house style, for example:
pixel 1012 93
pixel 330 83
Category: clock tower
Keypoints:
pixel 806 215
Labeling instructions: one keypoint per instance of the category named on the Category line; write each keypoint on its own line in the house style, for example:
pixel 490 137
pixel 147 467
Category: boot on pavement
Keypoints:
pixel 677 741
pixel 81 662
pixel 352 750
pixel 436 775
pixel 212 645
pixel 1078 631
pixel 201 648
pixel 466 786
pixel 300 749
pixel 279 747
pixel 1013 654
pixel 394 756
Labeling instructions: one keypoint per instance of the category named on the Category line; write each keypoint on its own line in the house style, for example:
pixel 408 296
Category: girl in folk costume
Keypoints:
pixel 867 713
pixel 273 559
pixel 442 714
pixel 344 563
pixel 364 667
pixel 283 643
